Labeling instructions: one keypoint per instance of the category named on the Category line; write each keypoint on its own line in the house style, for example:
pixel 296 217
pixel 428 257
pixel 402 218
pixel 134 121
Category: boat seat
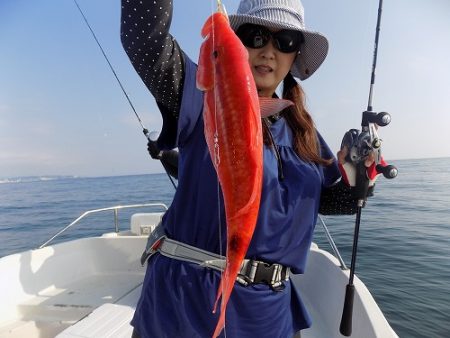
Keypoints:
pixel 108 320
pixel 142 224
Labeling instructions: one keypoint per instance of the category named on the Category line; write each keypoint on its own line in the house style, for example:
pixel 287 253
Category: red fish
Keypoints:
pixel 233 132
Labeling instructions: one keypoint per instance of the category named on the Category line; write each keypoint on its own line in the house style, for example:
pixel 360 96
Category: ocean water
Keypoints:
pixel 404 243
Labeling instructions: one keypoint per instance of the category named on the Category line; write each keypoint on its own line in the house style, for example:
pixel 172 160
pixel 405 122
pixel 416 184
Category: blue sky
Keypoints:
pixel 62 113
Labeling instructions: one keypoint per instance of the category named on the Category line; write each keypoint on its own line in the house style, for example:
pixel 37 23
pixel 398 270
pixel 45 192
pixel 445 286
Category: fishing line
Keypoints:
pixel 144 130
pixel 109 63
pixel 216 132
pixel 375 56
pixel 217 152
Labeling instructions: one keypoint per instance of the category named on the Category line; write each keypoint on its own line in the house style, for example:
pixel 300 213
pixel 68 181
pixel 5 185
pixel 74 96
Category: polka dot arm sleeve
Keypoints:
pixel 154 53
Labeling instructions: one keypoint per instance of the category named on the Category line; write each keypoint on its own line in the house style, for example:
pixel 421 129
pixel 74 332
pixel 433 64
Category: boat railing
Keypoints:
pixel 115 209
pixel 332 244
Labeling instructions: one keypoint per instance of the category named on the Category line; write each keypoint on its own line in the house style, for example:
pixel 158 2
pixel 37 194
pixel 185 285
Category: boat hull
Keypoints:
pixel 77 288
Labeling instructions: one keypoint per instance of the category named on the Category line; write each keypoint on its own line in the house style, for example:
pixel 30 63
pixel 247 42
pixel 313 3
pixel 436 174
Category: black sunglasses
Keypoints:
pixel 256 36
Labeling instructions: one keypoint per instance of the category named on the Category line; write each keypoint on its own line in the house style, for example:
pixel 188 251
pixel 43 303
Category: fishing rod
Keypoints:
pixel 362 146
pixel 168 158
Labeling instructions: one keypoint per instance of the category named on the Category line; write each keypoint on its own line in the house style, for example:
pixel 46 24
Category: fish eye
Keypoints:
pixel 215 54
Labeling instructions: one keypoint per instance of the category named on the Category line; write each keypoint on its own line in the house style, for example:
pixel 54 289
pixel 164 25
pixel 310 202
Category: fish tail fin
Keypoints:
pixel 220 326
pixel 224 292
pixel 218 296
pixel 221 322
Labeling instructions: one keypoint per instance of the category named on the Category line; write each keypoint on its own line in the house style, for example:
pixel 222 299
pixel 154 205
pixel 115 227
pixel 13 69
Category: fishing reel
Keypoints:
pixel 365 143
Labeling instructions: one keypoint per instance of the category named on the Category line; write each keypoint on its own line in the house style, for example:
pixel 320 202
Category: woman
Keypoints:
pixel 300 175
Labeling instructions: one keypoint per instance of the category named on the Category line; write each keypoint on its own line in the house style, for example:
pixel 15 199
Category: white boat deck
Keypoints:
pixel 108 320
pixel 90 287
pixel 60 285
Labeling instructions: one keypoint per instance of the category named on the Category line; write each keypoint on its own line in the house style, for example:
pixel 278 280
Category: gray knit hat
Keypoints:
pixel 285 14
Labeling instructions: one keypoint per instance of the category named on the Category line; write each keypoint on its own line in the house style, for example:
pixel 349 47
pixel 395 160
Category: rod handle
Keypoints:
pixel 362 182
pixel 347 313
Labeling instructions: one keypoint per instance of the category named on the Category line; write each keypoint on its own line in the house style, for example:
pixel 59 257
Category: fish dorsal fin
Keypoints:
pixel 270 106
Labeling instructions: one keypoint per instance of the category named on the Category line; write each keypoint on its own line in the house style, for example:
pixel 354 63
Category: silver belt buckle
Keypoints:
pixel 249 271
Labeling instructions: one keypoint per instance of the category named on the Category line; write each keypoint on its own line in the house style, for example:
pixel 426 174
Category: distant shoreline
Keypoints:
pixel 43 178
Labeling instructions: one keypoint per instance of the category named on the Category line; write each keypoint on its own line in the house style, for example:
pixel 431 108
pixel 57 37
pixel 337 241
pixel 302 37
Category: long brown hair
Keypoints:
pixel 306 143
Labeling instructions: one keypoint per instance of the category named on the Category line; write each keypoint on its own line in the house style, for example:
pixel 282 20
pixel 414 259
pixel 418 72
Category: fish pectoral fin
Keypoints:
pixel 271 106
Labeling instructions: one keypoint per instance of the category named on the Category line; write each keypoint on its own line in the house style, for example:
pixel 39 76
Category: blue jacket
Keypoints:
pixel 178 297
